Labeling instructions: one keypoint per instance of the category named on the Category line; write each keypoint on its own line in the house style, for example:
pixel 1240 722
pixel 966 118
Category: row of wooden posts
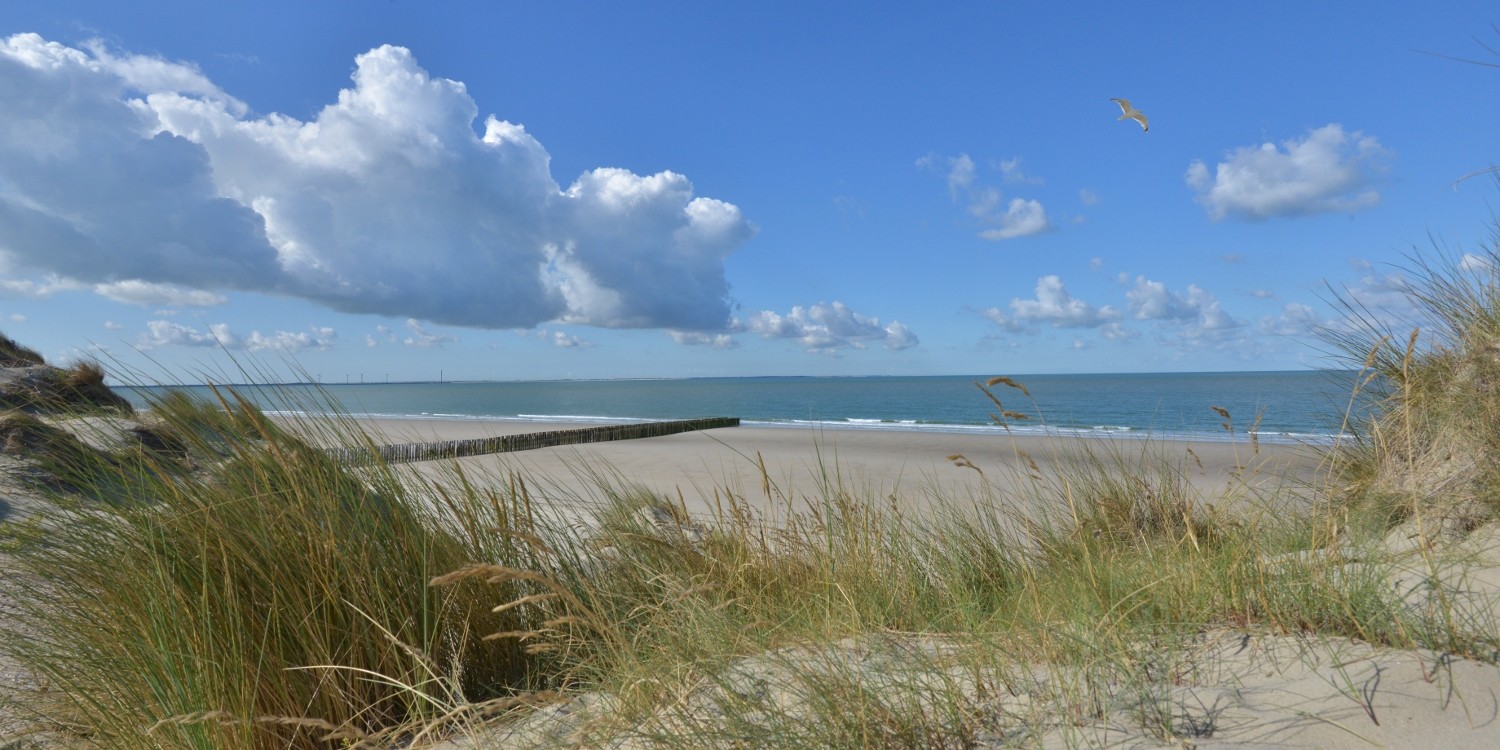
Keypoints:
pixel 406 452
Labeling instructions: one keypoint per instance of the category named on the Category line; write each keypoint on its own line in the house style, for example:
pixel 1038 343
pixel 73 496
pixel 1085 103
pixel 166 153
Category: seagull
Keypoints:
pixel 1131 113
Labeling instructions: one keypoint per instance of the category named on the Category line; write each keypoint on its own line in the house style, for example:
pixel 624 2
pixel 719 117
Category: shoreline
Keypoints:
pixel 544 422
pixel 697 468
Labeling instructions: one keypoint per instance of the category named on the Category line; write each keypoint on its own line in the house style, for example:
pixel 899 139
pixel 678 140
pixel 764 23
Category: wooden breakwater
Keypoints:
pixel 406 452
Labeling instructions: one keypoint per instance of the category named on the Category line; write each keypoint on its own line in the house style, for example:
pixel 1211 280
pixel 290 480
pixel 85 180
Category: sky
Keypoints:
pixel 394 190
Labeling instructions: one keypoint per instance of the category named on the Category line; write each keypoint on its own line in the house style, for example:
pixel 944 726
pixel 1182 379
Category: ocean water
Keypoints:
pixel 1301 406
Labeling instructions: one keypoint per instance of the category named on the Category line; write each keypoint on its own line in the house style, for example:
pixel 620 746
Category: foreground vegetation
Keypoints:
pixel 219 583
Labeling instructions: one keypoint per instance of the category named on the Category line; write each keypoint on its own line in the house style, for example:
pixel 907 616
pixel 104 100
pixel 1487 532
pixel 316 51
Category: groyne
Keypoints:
pixel 407 452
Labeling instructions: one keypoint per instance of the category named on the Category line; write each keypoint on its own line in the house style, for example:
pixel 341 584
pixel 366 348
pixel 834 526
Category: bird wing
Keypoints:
pixel 1140 118
pixel 1124 105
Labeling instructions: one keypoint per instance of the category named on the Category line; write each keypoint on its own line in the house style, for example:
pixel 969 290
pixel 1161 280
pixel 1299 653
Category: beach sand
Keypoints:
pixel 914 467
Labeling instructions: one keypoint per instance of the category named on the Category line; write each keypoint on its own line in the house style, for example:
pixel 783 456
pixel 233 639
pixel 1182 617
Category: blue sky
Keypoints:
pixel 551 190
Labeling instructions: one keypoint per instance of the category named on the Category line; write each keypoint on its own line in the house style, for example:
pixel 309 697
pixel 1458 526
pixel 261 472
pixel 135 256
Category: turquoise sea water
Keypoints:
pixel 1302 406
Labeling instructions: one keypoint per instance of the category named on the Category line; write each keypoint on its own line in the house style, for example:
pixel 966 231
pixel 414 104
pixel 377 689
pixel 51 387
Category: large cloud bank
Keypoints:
pixel 139 174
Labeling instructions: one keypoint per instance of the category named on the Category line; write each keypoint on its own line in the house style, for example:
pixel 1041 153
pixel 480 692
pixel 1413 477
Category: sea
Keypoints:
pixel 1305 406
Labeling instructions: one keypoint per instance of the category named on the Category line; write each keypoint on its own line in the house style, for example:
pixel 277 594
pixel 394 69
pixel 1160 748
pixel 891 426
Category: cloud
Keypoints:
pixel 1193 318
pixel 1263 294
pixel 1087 197
pixel 1021 218
pixel 284 341
pixel 1474 263
pixel 1295 319
pixel 1096 264
pixel 569 341
pixel 829 328
pixel 695 338
pixel 960 171
pixel 1382 299
pixel 110 325
pixel 1152 300
pixel 164 333
pixel 421 337
pixel 1003 221
pixel 33 289
pixel 1054 305
pixel 147 294
pixel 1328 171
pixel 1010 169
pixel 127 168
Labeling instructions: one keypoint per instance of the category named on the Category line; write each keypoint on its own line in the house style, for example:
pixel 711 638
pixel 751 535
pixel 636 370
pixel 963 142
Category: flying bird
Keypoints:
pixel 1131 113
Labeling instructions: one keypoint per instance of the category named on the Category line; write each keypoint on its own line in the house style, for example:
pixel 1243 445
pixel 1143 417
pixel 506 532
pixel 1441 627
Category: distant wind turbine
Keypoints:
pixel 1131 113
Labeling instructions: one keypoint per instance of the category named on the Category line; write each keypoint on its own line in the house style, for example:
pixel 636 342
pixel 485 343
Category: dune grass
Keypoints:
pixel 240 589
pixel 222 583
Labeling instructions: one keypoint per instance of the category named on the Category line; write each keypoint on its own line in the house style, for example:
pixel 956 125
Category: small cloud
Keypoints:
pixel 110 325
pixel 164 333
pixel 1087 197
pixel 17 318
pixel 1232 258
pixel 1053 305
pixel 1328 171
pixel 1295 319
pixel 712 340
pixel 567 341
pixel 1262 294
pixel 32 289
pixel 1003 220
pixel 1080 344
pixel 319 338
pixel 422 338
pixel 959 170
pixel 1195 317
pixel 1010 169
pixel 827 329
pixel 1021 218
pixel 1096 264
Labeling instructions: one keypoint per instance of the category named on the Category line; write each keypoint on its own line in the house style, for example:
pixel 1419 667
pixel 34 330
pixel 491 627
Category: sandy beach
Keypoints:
pixel 912 466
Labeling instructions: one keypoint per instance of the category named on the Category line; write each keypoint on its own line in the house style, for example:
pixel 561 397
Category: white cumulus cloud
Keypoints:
pixel 1020 219
pixel 1053 305
pixel 1188 319
pixel 1000 220
pixel 828 328
pixel 163 333
pixel 120 168
pixel 1328 170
